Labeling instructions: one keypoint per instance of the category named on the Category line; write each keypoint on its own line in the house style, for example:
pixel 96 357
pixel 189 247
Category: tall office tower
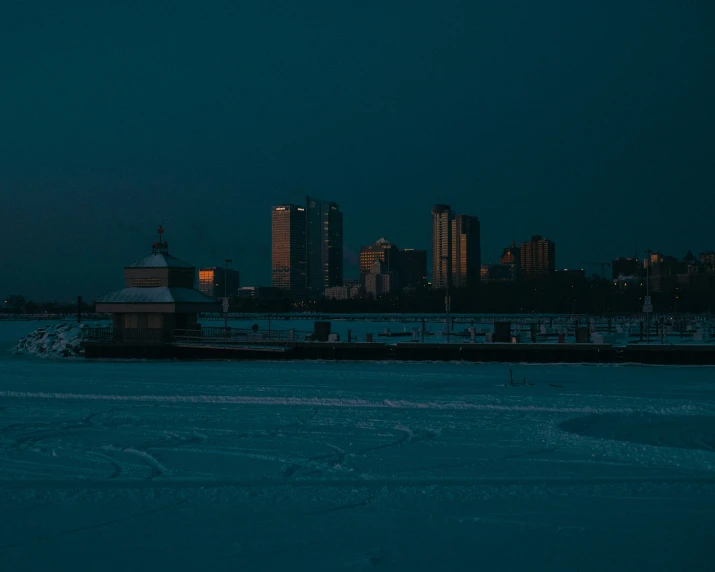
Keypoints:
pixel 324 246
pixel 288 249
pixel 412 267
pixel 442 217
pixel 466 251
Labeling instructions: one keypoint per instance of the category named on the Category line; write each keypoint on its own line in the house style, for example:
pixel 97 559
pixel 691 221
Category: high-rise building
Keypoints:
pixel 466 251
pixel 707 259
pixel 537 258
pixel 324 251
pixel 412 267
pixel 510 257
pixel 382 250
pixel 217 282
pixel 288 249
pixel 442 217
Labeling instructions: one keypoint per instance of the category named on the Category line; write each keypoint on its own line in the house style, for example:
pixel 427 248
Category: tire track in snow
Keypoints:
pixel 155 467
pixel 354 482
pixel 683 409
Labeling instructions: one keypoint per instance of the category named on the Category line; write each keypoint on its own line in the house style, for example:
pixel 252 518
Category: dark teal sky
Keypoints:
pixel 590 123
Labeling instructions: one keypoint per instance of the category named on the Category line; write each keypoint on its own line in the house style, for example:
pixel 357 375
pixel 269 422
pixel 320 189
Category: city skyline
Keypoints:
pixel 577 124
pixel 355 274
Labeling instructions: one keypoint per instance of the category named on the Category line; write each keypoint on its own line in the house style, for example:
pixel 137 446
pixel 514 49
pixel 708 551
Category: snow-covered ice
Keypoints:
pixel 343 466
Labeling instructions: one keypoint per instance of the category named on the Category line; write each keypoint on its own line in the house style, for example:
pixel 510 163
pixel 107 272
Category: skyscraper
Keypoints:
pixel 537 258
pixel 412 267
pixel 466 251
pixel 382 250
pixel 324 246
pixel 442 217
pixel 288 249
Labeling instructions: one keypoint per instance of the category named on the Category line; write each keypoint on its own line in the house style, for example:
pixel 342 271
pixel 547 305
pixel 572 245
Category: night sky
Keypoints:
pixel 591 125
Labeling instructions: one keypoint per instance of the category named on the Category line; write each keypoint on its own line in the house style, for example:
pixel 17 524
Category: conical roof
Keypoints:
pixel 160 260
pixel 160 257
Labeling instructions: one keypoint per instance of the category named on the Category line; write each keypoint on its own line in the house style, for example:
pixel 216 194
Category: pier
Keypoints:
pixel 220 344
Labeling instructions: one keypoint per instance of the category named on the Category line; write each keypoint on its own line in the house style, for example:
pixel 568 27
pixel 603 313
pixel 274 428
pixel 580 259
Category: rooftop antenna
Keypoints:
pixel 160 247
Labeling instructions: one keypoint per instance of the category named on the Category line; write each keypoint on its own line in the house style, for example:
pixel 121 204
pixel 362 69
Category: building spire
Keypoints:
pixel 160 247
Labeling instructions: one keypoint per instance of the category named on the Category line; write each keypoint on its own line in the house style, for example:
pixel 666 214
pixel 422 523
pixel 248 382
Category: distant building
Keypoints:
pixel 691 265
pixel 442 217
pixel 412 267
pixel 379 282
pixel 466 251
pixel 288 249
pixel 707 259
pixel 663 271
pixel 324 234
pixel 537 258
pixel 652 259
pixel 247 292
pixel 216 282
pixel 382 250
pixel 15 302
pixel 357 291
pixel 345 292
pixel 497 273
pixel 701 281
pixel 624 267
pixel 337 293
pixel 510 257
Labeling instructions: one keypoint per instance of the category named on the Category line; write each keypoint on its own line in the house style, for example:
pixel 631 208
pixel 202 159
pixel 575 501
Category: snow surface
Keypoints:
pixel 136 465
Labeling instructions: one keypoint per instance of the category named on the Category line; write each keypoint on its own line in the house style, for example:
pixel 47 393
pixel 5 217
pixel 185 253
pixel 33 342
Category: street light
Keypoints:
pixel 647 293
pixel 225 293
pixel 447 300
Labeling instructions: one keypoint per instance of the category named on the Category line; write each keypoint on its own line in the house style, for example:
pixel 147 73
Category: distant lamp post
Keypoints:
pixel 225 293
pixel 447 299
pixel 647 307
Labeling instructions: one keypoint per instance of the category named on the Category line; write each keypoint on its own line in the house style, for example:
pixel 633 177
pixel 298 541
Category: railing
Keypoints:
pixel 124 335
pixel 223 335
pixel 207 335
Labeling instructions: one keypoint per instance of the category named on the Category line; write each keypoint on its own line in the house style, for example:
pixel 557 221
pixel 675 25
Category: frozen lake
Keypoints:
pixel 324 466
